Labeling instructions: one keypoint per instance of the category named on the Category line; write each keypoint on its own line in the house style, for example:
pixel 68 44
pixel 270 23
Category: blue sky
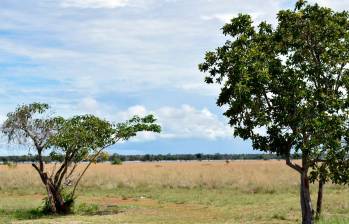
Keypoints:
pixel 117 58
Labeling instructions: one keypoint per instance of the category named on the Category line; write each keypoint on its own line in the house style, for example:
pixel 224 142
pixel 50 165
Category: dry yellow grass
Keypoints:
pixel 244 175
pixel 255 192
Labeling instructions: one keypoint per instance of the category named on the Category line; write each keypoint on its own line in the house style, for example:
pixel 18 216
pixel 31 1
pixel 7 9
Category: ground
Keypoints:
pixel 255 192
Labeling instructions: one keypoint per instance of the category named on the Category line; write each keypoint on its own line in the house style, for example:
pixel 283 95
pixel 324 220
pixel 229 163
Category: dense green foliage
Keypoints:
pixel 286 88
pixel 80 136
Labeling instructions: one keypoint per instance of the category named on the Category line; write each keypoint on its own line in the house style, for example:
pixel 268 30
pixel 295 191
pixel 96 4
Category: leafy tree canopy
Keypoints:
pixel 286 87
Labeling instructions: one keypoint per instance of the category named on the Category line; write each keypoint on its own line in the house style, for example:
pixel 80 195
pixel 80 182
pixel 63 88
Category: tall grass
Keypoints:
pixel 188 192
pixel 248 176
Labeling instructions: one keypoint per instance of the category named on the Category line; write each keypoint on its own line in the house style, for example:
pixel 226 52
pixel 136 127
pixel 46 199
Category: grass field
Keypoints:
pixel 179 192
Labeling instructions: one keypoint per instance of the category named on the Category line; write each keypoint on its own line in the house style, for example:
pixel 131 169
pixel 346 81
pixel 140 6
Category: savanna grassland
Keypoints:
pixel 172 192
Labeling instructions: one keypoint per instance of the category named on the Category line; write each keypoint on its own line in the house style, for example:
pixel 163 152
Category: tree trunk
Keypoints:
pixel 57 205
pixel 55 199
pixel 61 207
pixel 306 205
pixel 305 199
pixel 319 199
pixel 50 199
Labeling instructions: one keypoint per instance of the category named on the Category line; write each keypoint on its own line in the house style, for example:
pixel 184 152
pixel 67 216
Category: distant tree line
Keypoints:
pixel 151 157
pixel 197 156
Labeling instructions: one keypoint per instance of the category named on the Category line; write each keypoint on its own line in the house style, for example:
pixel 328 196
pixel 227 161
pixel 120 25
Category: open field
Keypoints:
pixel 174 192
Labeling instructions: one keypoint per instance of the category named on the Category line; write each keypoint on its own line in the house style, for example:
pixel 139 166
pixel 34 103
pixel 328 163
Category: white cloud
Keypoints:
pixel 201 88
pixel 137 110
pixel 226 17
pixel 146 136
pixel 189 122
pixel 95 3
pixel 95 56
pixel 339 5
pixel 89 104
pixel 259 12
pixel 2 118
pixel 183 122
pixel 134 50
pixel 38 53
pixel 130 112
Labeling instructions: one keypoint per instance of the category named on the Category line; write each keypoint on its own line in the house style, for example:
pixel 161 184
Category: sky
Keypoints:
pixel 118 58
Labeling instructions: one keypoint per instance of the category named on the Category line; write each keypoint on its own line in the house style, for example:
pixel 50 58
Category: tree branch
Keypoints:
pixel 293 165
pixel 36 167
pixel 71 171
pixel 89 164
pixel 61 168
pixel 338 77
pixel 266 99
pixel 41 174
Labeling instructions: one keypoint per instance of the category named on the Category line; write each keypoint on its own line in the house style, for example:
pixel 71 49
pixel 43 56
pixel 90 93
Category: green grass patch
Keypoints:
pixel 176 205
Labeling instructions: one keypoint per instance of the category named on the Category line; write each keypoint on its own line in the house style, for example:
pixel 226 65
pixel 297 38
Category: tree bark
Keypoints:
pixel 305 199
pixel 50 198
pixel 306 205
pixel 319 199
pixel 56 202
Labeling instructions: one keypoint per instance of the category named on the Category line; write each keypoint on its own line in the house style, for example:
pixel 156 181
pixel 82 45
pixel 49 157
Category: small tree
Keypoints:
pixel 81 138
pixel 84 138
pixel 28 125
pixel 102 157
pixel 286 89
pixel 115 159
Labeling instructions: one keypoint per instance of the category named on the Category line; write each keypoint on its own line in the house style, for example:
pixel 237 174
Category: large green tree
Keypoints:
pixel 286 89
pixel 68 141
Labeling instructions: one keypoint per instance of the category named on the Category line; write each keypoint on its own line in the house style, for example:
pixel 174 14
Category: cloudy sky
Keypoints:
pixel 117 58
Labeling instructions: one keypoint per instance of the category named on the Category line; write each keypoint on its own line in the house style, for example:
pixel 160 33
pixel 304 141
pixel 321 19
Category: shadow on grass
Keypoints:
pixel 82 209
pixel 94 209
pixel 22 214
